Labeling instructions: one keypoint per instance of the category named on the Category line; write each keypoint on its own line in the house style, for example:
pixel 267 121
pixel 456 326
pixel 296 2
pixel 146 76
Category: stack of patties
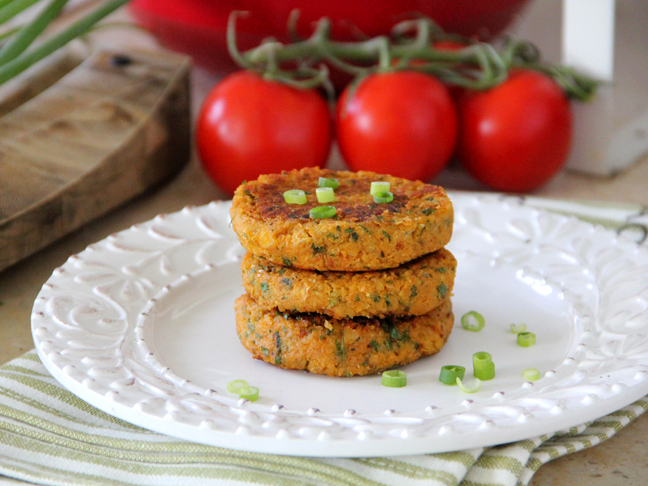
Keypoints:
pixel 355 293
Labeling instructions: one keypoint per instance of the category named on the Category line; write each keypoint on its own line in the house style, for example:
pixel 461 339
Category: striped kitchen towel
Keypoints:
pixel 49 436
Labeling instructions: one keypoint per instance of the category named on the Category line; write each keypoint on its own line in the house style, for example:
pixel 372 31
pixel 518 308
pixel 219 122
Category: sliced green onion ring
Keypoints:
pixel 394 378
pixel 483 366
pixel 328 182
pixel 526 339
pixel 322 212
pixel 249 393
pixel 235 386
pixel 518 328
pixel 383 197
pixel 379 186
pixel 325 194
pixel 531 374
pixel 295 196
pixel 450 373
pixel 473 321
pixel 474 387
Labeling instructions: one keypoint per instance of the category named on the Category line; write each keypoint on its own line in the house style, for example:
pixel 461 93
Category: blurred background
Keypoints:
pixel 603 38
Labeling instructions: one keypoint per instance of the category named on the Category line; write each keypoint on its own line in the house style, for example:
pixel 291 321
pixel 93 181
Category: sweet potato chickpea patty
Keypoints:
pixel 413 288
pixel 340 347
pixel 363 235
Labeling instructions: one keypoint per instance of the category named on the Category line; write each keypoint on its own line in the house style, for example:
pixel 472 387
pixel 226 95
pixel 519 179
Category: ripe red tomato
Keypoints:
pixel 516 136
pixel 250 126
pixel 401 123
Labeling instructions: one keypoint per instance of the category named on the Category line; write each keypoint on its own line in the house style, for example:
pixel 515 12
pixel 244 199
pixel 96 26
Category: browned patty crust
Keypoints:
pixel 340 347
pixel 363 235
pixel 413 288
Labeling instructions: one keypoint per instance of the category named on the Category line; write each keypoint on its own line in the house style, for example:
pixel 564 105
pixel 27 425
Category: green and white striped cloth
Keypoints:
pixel 49 436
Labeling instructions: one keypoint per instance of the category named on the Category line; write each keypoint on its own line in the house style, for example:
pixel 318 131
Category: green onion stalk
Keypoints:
pixel 20 50
pixel 410 46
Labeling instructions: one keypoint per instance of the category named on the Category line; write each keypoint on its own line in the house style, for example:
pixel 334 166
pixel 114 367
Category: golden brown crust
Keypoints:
pixel 362 236
pixel 340 347
pixel 414 288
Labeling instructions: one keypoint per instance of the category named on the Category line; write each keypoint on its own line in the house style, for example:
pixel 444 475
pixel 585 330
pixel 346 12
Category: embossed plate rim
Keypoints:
pixel 110 379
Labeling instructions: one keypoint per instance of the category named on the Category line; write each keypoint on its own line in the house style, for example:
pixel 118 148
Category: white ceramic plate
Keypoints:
pixel 141 325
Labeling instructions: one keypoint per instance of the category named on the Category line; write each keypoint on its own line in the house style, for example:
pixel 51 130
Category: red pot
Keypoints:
pixel 197 27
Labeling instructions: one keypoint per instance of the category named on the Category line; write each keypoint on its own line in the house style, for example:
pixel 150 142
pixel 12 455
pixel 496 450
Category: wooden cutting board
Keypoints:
pixel 83 134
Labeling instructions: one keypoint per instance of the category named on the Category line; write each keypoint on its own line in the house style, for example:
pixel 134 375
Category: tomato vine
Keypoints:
pixel 410 46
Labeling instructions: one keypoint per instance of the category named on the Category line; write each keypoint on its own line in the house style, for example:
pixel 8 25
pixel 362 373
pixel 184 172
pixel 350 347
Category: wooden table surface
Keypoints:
pixel 619 461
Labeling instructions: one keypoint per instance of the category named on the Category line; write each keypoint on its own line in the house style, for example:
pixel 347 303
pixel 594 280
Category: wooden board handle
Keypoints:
pixel 114 126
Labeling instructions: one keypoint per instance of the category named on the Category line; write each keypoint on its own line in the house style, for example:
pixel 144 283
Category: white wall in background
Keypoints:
pixel 609 40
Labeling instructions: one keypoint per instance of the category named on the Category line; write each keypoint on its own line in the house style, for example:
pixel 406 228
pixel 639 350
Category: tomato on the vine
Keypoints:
pixel 517 135
pixel 250 126
pixel 401 123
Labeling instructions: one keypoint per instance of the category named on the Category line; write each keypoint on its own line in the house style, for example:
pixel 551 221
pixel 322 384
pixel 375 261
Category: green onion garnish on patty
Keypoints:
pixel 383 197
pixel 328 182
pixel 295 196
pixel 379 186
pixel 322 212
pixel 325 194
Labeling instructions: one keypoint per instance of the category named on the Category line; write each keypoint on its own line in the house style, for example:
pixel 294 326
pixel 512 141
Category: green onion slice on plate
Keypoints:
pixel 249 393
pixel 531 374
pixel 526 339
pixel 450 373
pixel 518 328
pixel 472 388
pixel 473 321
pixel 483 366
pixel 394 378
pixel 235 386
